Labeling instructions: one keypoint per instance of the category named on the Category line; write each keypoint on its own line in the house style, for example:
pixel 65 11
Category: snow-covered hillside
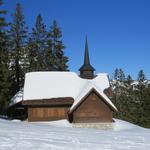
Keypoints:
pixel 15 135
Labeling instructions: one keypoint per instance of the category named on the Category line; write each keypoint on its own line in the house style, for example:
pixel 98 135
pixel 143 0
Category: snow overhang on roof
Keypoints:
pixel 18 97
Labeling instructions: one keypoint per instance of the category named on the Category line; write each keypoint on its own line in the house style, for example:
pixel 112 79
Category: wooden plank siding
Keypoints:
pixel 47 113
pixel 92 109
pixel 48 109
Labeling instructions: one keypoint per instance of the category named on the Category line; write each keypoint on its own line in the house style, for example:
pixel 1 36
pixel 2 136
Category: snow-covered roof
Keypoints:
pixel 17 98
pixel 46 85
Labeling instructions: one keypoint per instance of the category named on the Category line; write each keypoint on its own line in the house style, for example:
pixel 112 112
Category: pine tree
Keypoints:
pixel 57 48
pixel 129 80
pixel 122 95
pixel 141 85
pixel 141 76
pixel 2 19
pixel 118 83
pixel 141 98
pixel 121 75
pixel 128 85
pixel 32 56
pixel 37 45
pixel 116 74
pixel 146 108
pixel 49 56
pixel 142 81
pixel 4 65
pixel 17 35
pixel 132 98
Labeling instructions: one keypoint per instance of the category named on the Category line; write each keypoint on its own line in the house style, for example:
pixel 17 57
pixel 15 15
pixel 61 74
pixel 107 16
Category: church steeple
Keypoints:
pixel 86 53
pixel 86 70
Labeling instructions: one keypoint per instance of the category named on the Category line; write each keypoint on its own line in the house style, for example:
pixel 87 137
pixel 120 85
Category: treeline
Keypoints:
pixel 20 51
pixel 132 97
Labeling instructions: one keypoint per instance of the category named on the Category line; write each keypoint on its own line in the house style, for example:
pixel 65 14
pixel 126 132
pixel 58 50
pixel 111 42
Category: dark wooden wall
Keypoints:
pixel 47 113
pixel 17 111
pixel 92 109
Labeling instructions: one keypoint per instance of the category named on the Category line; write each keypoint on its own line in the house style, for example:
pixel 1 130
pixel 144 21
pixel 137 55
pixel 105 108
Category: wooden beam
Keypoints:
pixel 52 101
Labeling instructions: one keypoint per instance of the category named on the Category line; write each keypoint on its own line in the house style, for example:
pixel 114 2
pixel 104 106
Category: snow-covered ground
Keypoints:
pixel 15 135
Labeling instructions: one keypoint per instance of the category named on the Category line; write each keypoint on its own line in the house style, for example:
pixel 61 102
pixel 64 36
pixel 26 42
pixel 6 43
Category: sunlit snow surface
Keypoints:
pixel 15 135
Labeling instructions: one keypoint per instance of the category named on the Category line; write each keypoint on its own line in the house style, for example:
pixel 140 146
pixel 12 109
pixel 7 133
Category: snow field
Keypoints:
pixel 60 135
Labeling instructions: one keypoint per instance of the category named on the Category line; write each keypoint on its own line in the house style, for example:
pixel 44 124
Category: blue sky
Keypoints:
pixel 118 30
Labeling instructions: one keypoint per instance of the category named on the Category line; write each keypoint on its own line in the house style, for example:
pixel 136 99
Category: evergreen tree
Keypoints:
pixel 37 45
pixel 121 75
pixel 115 74
pixel 57 48
pixel 2 19
pixel 17 35
pixel 142 99
pixel 141 76
pixel 146 108
pixel 123 96
pixel 129 80
pixel 49 56
pixel 140 87
pixel 129 86
pixel 32 56
pixel 142 82
pixel 118 83
pixel 4 65
pixel 133 101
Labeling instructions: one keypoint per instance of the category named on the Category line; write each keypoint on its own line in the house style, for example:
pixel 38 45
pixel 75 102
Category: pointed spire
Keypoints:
pixel 86 70
pixel 86 53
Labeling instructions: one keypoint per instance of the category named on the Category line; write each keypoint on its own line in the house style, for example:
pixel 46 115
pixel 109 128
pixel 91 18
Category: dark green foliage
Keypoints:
pixel 132 98
pixel 37 45
pixel 119 75
pixel 32 56
pixel 17 37
pixel 129 80
pixel 39 34
pixel 141 76
pixel 2 18
pixel 49 56
pixel 20 53
pixel 4 61
pixel 56 47
pixel 142 92
pixel 46 49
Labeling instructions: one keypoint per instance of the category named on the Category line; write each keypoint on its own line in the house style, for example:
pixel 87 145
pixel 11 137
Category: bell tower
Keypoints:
pixel 86 70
